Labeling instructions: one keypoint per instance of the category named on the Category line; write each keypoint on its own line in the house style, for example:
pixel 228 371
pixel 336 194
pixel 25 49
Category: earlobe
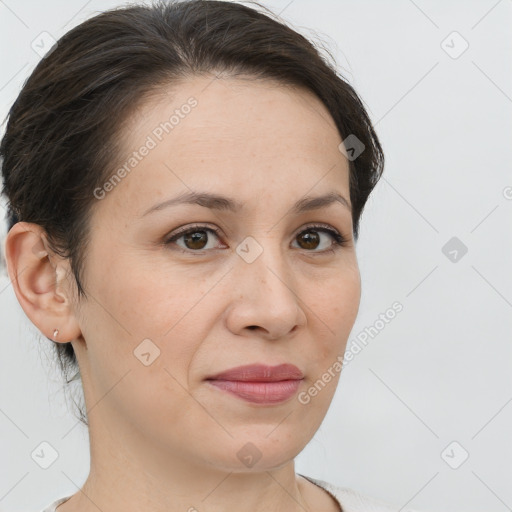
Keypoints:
pixel 39 280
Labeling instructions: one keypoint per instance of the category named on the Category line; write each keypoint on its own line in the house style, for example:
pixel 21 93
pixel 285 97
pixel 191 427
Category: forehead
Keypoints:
pixel 205 111
pixel 244 136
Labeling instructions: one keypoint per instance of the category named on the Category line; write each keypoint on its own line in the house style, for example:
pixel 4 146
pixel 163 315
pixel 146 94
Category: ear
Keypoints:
pixel 41 282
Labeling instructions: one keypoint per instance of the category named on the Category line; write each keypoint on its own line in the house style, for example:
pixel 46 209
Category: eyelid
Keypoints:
pixel 187 229
pixel 340 239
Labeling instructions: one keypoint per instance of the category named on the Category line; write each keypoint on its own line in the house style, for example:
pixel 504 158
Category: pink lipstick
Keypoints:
pixel 259 383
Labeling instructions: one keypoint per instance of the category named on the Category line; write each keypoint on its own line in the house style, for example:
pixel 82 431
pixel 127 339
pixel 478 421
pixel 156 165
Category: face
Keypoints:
pixel 263 283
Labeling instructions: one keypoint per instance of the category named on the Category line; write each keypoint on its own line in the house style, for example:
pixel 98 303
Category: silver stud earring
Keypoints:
pixel 55 333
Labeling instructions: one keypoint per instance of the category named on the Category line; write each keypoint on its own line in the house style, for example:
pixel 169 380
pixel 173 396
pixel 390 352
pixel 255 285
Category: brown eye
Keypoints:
pixel 195 238
pixel 310 239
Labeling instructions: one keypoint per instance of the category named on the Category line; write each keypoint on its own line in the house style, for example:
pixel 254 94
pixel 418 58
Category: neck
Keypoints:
pixel 130 474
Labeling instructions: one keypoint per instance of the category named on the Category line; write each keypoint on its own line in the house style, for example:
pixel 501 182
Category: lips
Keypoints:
pixel 260 373
pixel 259 384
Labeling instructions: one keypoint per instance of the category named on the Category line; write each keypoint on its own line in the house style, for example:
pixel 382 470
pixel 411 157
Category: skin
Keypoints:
pixel 162 439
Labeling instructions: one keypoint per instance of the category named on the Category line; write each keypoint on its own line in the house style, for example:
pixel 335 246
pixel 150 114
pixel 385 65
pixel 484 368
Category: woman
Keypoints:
pixel 186 183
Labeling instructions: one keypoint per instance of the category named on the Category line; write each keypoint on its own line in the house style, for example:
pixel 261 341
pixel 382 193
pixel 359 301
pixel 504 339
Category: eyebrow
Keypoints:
pixel 219 202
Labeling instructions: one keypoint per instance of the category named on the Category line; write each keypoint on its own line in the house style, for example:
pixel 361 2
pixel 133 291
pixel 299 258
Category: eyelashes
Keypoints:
pixel 339 240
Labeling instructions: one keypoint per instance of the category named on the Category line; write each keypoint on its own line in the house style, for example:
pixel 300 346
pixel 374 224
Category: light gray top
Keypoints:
pixel 347 499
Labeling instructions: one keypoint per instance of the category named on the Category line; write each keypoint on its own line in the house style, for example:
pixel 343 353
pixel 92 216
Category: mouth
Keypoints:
pixel 259 384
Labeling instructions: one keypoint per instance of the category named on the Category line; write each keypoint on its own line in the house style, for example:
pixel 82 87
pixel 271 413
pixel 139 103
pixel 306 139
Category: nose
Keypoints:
pixel 264 298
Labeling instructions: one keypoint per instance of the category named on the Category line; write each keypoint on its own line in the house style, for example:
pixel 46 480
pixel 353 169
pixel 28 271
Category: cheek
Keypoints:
pixel 333 309
pixel 143 300
pixel 141 312
pixel 332 314
pixel 141 336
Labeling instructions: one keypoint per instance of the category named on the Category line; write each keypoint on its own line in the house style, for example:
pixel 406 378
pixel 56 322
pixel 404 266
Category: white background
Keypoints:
pixel 441 370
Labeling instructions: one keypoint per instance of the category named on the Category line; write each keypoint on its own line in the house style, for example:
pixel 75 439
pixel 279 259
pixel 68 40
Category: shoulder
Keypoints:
pixel 349 499
pixel 352 501
pixel 52 506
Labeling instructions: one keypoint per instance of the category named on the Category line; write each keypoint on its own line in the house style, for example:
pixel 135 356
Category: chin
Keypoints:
pixel 259 451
